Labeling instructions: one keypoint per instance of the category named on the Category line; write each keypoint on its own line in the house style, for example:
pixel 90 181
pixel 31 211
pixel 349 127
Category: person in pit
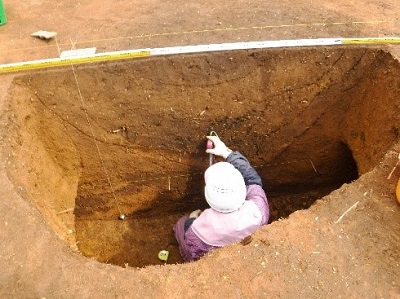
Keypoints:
pixel 238 205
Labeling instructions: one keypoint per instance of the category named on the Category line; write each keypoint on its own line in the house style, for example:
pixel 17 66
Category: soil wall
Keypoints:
pixel 90 143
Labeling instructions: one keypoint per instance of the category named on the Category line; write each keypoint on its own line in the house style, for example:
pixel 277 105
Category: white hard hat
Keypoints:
pixel 225 190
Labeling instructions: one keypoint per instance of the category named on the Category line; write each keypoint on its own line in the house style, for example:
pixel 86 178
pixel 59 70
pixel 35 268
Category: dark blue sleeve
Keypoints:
pixel 188 223
pixel 249 174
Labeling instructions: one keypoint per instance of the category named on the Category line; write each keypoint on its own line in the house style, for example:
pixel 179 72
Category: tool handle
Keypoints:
pixel 209 144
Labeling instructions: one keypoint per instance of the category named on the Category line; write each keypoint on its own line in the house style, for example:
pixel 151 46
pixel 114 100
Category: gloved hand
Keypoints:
pixel 195 214
pixel 220 149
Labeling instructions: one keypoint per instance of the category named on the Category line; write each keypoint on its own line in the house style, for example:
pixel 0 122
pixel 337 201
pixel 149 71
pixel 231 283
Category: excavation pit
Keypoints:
pixel 94 142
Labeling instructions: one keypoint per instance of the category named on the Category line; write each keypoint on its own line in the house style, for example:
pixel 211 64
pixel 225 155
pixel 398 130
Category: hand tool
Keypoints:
pixel 210 145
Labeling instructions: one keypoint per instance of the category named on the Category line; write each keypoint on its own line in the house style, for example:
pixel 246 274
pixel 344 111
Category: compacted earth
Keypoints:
pixel 83 145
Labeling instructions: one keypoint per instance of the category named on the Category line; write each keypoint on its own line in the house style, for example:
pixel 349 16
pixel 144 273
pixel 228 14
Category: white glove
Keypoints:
pixel 220 149
pixel 195 214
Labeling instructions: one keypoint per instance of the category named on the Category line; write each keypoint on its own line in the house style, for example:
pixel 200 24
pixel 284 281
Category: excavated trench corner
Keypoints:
pixel 128 137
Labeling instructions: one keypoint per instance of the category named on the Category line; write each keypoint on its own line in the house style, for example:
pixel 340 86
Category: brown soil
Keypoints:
pixel 83 145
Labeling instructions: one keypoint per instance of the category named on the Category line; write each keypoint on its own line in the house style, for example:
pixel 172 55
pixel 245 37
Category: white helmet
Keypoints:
pixel 225 190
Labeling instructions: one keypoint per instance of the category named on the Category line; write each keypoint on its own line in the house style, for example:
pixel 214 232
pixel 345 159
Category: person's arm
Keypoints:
pixel 249 174
pixel 255 192
pixel 192 217
pixel 240 162
pixel 252 180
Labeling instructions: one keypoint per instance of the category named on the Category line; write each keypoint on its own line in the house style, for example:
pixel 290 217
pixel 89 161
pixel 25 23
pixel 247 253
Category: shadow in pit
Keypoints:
pixel 340 168
pixel 149 231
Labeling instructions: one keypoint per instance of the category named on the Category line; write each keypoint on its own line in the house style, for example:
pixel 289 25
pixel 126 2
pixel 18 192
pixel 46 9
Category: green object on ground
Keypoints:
pixel 3 18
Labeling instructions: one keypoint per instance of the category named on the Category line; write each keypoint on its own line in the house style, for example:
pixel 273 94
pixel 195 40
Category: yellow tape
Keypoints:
pixel 57 62
pixel 361 41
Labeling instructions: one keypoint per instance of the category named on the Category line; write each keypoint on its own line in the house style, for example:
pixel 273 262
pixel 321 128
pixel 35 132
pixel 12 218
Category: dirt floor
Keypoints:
pixel 82 145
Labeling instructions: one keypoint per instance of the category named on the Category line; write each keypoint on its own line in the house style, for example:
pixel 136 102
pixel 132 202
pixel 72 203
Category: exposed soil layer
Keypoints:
pixel 96 141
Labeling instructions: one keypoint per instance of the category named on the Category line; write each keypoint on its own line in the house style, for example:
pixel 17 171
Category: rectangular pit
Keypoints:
pixel 129 137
